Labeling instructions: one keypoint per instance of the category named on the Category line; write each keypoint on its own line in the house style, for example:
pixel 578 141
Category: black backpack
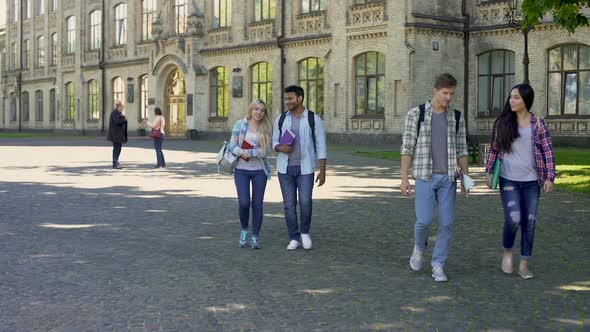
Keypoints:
pixel 421 119
pixel 310 119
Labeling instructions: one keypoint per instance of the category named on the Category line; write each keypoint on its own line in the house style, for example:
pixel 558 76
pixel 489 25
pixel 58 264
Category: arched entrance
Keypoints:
pixel 175 104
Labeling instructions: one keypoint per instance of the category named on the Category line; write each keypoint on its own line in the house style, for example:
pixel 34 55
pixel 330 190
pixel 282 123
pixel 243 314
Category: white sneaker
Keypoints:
pixel 438 273
pixel 293 245
pixel 416 259
pixel 306 241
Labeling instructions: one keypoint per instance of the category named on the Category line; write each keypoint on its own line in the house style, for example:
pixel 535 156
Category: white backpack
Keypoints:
pixel 226 160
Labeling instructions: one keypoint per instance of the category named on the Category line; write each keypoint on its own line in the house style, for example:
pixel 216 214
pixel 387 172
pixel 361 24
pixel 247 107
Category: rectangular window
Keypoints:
pixel 53 5
pixel 311 6
pixel 121 24
pixel 495 79
pixel 118 90
pixel 180 16
pixel 222 13
pixel 26 53
pixel 15 5
pixel 71 35
pixel 40 7
pixel 40 62
pixel 27 10
pixel 143 103
pixel 264 10
pixel 14 57
pixel 53 49
pixel 568 80
pixel 148 13
pixel 95 30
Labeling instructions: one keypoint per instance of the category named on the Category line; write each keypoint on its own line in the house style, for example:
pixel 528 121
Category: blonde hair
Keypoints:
pixel 265 127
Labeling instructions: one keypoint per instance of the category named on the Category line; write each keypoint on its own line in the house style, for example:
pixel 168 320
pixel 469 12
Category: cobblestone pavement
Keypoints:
pixel 87 248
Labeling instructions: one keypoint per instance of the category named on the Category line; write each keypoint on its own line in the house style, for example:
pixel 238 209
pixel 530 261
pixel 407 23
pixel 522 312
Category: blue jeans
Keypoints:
pixel 444 192
pixel 520 200
pixel 291 183
pixel 242 179
pixel 159 154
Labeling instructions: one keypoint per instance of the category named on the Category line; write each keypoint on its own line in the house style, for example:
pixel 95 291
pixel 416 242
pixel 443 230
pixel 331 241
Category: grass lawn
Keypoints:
pixel 573 167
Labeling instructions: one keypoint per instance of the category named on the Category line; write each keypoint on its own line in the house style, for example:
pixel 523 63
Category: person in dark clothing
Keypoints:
pixel 117 131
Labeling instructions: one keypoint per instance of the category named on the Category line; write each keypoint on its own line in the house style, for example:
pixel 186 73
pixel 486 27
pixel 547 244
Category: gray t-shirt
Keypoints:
pixel 519 164
pixel 295 157
pixel 439 145
pixel 253 164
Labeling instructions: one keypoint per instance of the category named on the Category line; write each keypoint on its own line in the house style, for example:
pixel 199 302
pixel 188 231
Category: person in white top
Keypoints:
pixel 157 135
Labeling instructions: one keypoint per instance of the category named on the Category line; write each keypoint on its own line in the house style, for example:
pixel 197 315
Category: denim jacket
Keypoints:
pixel 238 134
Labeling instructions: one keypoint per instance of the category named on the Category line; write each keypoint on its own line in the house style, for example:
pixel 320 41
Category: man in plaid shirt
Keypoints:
pixel 436 145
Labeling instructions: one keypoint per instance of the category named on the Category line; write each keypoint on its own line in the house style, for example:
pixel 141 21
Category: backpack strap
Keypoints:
pixel 420 118
pixel 311 120
pixel 281 121
pixel 457 120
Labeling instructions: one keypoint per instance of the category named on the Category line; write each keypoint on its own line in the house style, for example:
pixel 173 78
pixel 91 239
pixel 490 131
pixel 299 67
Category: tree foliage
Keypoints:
pixel 566 13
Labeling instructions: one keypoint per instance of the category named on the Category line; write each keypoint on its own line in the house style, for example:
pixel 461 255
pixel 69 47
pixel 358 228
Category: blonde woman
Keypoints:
pixel 251 139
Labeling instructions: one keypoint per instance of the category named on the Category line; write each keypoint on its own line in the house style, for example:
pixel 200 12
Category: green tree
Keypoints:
pixel 566 13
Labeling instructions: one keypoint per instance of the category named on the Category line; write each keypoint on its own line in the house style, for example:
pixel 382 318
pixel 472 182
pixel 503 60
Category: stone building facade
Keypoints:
pixel 363 63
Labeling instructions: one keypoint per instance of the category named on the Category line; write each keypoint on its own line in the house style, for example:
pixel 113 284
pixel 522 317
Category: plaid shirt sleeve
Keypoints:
pixel 548 156
pixel 235 139
pixel 491 159
pixel 461 144
pixel 410 134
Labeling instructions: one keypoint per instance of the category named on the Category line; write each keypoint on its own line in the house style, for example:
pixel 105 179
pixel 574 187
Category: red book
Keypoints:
pixel 247 145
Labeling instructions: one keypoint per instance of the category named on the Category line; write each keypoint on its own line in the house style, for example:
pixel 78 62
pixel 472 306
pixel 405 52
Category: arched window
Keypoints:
pixel 13 107
pixel 71 35
pixel 369 83
pixel 180 16
pixel 40 59
pixel 121 24
pixel 261 78
pixel 221 13
pixel 95 30
pixel 118 90
pixel 219 92
pixel 311 79
pixel 93 100
pixel 25 97
pixel 52 105
pixel 568 78
pixel 148 11
pixel 495 78
pixel 70 101
pixel 143 97
pixel 39 105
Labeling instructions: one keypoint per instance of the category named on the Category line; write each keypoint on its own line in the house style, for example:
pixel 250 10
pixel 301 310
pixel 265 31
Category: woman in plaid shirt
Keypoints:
pixel 522 142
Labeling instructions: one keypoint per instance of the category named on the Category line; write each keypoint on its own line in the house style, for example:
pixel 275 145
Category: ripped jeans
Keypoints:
pixel 520 200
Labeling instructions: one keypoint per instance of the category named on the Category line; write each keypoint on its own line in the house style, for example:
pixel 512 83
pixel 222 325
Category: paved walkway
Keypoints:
pixel 87 248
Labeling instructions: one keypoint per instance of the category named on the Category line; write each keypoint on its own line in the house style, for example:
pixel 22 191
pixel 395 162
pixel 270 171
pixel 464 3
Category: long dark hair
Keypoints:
pixel 506 125
pixel 157 111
